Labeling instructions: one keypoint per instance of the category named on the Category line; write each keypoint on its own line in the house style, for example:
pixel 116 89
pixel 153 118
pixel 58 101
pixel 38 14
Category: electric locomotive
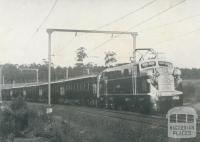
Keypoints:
pixel 148 85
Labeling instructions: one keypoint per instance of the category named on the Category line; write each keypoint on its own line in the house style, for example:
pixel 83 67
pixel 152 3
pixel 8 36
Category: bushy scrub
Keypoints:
pixel 188 91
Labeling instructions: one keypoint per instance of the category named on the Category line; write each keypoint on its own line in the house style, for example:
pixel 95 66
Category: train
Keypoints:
pixel 148 85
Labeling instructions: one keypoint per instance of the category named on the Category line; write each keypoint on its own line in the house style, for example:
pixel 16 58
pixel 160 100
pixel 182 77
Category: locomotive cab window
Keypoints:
pixel 143 85
pixel 113 74
pixel 190 118
pixel 126 72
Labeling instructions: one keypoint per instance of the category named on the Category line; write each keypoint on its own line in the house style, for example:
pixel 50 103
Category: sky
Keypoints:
pixel 171 27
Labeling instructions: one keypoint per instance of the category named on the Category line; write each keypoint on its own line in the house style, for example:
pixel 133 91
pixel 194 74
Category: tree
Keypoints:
pixel 110 58
pixel 80 55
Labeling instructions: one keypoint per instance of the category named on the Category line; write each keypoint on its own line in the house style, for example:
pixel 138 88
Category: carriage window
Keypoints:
pixel 82 86
pixel 24 92
pixel 11 93
pixel 190 118
pixel 94 88
pixel 181 118
pixel 67 87
pixel 40 92
pixel 76 86
pixel 62 91
pixel 173 118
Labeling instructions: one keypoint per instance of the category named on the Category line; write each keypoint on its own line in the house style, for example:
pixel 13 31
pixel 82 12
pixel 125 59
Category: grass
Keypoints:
pixel 81 127
pixel 191 90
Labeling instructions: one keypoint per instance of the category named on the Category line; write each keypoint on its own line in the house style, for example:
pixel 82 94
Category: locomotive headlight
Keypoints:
pixel 175 98
pixel 149 80
pixel 155 107
pixel 177 72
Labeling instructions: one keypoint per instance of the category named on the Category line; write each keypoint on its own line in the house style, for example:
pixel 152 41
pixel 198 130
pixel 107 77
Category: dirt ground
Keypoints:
pixel 38 139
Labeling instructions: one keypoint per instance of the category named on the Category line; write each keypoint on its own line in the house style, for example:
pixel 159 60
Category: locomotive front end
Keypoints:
pixel 169 90
pixel 165 85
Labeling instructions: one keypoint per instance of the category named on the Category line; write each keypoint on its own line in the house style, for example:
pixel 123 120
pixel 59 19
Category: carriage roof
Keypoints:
pixel 53 82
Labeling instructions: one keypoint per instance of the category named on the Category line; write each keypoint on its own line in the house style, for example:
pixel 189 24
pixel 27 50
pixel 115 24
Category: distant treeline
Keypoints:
pixel 193 73
pixel 13 73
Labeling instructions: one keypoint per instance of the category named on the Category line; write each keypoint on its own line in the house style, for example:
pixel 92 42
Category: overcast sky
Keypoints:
pixel 172 27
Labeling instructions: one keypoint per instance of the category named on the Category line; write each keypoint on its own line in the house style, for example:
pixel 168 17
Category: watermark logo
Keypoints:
pixel 182 122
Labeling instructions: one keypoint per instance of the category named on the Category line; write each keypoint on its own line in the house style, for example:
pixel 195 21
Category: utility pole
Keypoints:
pixel 3 80
pixel 49 67
pixel 0 84
pixel 67 74
pixel 134 71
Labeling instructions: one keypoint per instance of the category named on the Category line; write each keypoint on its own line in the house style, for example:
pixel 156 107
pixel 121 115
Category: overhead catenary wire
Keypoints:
pixel 43 21
pixel 178 36
pixel 142 22
pixel 170 23
pixel 49 13
pixel 157 14
pixel 120 18
pixel 68 43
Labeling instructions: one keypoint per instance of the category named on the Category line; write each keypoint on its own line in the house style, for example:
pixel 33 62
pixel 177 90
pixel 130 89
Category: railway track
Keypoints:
pixel 158 122
pixel 150 120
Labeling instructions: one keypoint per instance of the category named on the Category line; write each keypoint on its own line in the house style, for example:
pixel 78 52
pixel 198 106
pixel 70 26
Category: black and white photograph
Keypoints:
pixel 99 71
